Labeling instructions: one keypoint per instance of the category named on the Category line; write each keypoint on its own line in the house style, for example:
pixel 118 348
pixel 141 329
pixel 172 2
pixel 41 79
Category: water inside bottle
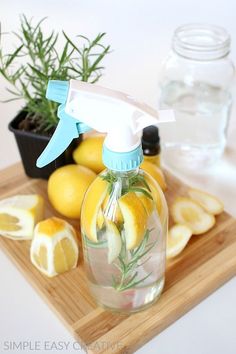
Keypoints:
pixel 197 138
pixel 151 268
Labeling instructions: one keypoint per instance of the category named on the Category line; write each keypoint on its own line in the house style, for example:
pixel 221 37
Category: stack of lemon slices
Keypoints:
pixel 193 216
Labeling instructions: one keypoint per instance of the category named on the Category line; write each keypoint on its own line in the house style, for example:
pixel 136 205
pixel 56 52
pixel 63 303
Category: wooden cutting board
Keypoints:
pixel 206 263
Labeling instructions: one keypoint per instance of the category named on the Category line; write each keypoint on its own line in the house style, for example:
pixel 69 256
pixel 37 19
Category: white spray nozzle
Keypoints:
pixel 85 105
pixel 114 113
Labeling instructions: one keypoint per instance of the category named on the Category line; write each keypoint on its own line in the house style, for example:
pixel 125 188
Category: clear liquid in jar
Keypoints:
pixel 197 139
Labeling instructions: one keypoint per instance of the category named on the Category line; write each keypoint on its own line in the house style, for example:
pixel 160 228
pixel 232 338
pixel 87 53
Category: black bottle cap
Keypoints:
pixel 151 141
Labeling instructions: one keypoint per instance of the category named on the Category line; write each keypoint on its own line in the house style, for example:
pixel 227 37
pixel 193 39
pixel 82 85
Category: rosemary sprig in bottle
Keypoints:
pixel 129 261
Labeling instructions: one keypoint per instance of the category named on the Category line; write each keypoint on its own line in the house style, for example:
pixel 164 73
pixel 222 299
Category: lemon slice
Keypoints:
pixel 158 197
pixel 54 249
pixel 155 172
pixel 91 207
pixel 113 241
pixel 100 218
pixel 147 202
pixel 178 237
pixel 108 203
pixel 135 219
pixel 210 203
pixel 19 214
pixel 186 211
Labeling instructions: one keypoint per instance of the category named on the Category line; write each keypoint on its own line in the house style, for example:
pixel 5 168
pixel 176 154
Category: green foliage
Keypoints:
pixel 133 183
pixel 36 60
pixel 129 261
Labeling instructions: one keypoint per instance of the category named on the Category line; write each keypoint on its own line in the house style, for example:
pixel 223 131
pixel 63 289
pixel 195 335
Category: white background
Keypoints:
pixel 139 32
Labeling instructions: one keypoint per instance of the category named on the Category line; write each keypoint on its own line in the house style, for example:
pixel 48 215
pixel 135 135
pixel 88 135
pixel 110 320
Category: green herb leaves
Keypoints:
pixel 129 261
pixel 133 183
pixel 37 59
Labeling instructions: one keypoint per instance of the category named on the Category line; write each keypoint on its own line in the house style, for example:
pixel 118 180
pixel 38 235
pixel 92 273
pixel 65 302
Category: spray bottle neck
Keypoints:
pixel 122 161
pixel 124 174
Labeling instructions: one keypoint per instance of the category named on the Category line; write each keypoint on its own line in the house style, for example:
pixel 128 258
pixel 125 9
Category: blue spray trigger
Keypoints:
pixel 67 129
pixel 81 127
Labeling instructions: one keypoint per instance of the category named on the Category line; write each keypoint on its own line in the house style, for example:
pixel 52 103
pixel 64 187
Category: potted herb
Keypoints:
pixel 27 70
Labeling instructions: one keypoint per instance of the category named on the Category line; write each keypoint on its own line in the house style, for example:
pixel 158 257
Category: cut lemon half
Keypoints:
pixel 135 219
pixel 91 207
pixel 186 211
pixel 54 249
pixel 113 241
pixel 19 214
pixel 210 203
pixel 178 237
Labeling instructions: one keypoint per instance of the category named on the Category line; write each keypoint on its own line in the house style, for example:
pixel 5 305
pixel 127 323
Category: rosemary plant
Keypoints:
pixel 37 59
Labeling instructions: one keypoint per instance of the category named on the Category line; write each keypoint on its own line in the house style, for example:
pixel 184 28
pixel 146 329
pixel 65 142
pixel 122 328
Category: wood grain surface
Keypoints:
pixel 206 263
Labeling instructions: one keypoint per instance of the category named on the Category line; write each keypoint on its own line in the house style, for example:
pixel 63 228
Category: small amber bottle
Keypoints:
pixel 151 145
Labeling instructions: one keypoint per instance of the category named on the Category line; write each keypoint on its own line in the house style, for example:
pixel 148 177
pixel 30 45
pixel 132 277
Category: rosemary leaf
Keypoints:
pixel 129 261
pixel 141 190
pixel 134 283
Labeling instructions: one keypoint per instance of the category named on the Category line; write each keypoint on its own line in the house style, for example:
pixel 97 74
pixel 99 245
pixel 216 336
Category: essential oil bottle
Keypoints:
pixel 151 145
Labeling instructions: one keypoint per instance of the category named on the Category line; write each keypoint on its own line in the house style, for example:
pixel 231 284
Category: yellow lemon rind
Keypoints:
pixel 178 237
pixel 42 239
pixel 28 215
pixel 91 206
pixel 135 219
pixel 113 241
pixel 156 173
pixel 89 153
pixel 208 202
pixel 187 211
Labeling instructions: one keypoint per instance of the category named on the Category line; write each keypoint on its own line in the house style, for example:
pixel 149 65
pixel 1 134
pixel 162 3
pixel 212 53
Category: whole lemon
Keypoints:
pixel 66 188
pixel 89 153
pixel 155 172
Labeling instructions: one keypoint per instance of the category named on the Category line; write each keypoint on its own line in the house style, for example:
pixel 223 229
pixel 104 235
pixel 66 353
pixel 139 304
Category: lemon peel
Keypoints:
pixel 19 215
pixel 178 237
pixel 54 249
pixel 207 201
pixel 187 211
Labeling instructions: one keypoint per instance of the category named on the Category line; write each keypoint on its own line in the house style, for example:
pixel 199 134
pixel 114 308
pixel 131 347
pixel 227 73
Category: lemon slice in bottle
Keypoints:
pixel 188 212
pixel 135 219
pixel 210 203
pixel 91 208
pixel 155 172
pixel 19 214
pixel 118 218
pixel 178 237
pixel 147 202
pixel 158 197
pixel 54 249
pixel 113 241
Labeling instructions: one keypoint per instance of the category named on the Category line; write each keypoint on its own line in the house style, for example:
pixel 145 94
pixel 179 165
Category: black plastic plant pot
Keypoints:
pixel 31 145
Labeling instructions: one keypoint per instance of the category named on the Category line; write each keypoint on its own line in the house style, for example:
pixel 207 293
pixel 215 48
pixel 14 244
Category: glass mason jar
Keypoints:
pixel 196 82
pixel 124 226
